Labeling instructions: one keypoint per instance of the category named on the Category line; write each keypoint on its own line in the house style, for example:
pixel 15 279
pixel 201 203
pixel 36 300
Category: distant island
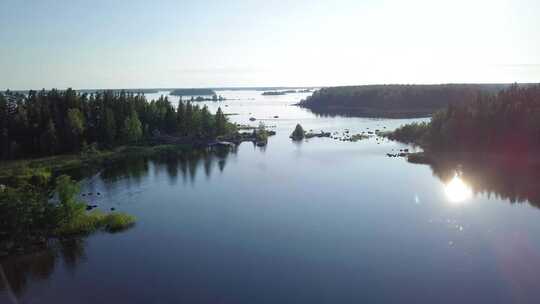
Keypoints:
pixel 393 101
pixel 193 92
pixel 277 93
pixel 285 92
pixel 134 91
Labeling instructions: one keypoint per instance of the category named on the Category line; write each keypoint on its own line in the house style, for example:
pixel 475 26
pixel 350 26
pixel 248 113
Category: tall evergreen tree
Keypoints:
pixel 108 127
pixel 132 131
pixel 181 116
pixel 48 139
pixel 207 125
pixel 75 124
pixel 221 122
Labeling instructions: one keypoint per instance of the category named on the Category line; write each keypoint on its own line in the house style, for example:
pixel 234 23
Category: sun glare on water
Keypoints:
pixel 457 191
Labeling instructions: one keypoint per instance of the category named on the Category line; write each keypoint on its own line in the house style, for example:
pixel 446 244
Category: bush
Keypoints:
pixel 94 221
pixel 117 222
pixel 85 223
pixel 410 133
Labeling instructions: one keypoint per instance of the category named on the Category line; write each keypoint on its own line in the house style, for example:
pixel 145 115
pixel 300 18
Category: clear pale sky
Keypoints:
pixel 136 43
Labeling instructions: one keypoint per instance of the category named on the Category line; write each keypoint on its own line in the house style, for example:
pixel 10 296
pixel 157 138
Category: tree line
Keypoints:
pixel 508 121
pixel 42 123
pixel 392 100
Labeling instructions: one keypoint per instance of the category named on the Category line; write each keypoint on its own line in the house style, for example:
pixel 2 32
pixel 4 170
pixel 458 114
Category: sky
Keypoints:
pixel 236 43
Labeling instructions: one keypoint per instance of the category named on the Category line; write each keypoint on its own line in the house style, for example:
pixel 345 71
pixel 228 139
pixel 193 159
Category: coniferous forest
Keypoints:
pixel 395 101
pixel 506 122
pixel 43 123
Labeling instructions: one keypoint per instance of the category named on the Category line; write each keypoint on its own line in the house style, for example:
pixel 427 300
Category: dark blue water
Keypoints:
pixel 322 221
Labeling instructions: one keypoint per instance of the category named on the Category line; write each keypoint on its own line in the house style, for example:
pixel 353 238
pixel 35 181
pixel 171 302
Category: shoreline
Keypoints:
pixel 434 157
pixel 38 169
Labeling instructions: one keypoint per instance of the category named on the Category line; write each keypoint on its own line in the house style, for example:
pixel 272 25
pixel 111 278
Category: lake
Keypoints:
pixel 319 221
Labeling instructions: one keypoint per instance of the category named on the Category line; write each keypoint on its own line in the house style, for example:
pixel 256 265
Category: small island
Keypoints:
pixel 277 93
pixel 192 92
pixel 298 133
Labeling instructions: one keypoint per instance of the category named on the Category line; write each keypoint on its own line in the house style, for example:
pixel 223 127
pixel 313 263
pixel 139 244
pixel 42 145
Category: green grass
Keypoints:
pixel 39 170
pixel 115 222
pixel 95 220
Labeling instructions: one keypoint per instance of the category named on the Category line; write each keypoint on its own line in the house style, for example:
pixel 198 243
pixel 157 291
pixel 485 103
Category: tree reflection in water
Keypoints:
pixel 16 272
pixel 186 163
pixel 515 180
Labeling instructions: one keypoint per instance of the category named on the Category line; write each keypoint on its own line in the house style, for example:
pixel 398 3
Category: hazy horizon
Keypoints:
pixel 135 44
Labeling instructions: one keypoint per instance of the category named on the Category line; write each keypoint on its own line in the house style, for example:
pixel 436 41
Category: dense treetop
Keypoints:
pixel 507 122
pixel 53 122
pixel 393 100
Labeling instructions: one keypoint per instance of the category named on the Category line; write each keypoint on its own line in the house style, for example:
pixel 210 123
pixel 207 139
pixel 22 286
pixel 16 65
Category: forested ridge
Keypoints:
pixel 506 122
pixel 53 122
pixel 392 100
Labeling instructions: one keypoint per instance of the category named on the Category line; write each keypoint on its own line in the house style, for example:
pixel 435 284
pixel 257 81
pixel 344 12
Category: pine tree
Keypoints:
pixel 221 122
pixel 48 139
pixel 181 116
pixel 75 124
pixel 132 131
pixel 207 124
pixel 108 127
pixel 171 125
pixel 188 118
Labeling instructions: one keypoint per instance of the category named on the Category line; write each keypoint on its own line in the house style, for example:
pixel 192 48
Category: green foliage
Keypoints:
pixel 207 123
pixel 76 126
pixel 27 215
pixel 221 122
pixel 75 121
pixel 67 190
pixel 82 224
pixel 24 212
pixel 508 122
pixel 393 100
pixel 261 134
pixel 55 122
pixel 132 128
pixel 95 220
pixel 48 140
pixel 108 127
pixel 298 133
pixel 410 133
pixel 115 222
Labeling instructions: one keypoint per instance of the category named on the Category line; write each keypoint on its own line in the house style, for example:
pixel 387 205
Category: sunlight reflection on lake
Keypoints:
pixel 457 191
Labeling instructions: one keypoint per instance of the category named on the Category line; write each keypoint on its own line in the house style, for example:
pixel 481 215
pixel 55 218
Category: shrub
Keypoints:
pixel 82 224
pixel 94 221
pixel 117 222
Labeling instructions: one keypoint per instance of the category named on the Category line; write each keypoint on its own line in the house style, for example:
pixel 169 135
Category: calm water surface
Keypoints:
pixel 321 221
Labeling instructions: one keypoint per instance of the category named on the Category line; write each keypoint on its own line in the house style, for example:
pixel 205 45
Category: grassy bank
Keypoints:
pixel 29 218
pixel 38 171
pixel 93 221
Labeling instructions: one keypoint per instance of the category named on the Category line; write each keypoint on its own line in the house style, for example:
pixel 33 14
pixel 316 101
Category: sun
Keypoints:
pixel 457 191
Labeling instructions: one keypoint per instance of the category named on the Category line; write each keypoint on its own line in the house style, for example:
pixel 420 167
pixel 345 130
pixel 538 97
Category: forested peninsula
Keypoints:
pixel 44 123
pixel 44 134
pixel 393 101
pixel 505 124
